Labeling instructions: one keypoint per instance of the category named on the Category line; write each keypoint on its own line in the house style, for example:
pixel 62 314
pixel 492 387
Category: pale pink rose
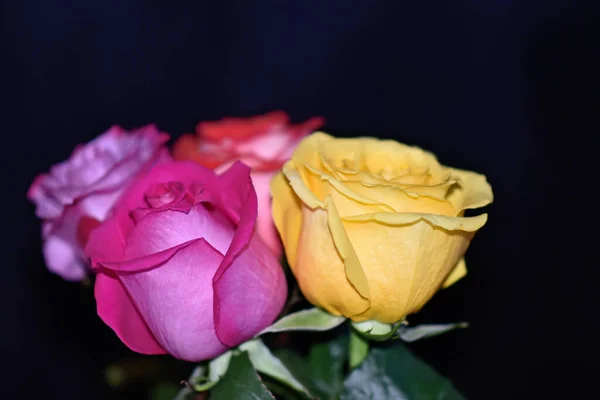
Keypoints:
pixel 86 186
pixel 264 143
pixel 180 269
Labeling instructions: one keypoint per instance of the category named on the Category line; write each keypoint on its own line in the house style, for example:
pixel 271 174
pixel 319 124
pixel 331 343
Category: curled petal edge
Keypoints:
pixel 457 273
pixel 465 224
pixel 477 191
pixel 354 270
pixel 143 263
pixel 349 193
pixel 300 188
pixel 344 190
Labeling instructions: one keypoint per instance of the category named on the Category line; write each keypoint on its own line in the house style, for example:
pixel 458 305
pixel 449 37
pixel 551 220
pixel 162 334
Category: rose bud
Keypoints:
pixel 180 269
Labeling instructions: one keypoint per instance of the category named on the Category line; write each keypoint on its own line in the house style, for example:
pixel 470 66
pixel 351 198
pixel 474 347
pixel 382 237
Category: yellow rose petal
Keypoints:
pixel 474 192
pixel 287 215
pixel 405 264
pixel 299 185
pixel 307 152
pixel 343 154
pixel 398 162
pixel 467 224
pixel 320 270
pixel 354 270
pixel 401 200
pixel 439 253
pixel 347 201
pixel 457 273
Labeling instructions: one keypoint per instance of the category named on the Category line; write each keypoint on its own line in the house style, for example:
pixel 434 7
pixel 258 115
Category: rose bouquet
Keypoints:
pixel 185 251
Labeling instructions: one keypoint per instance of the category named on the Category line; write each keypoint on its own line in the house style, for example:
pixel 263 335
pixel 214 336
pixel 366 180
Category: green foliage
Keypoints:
pixel 322 370
pixel 241 382
pixel 267 363
pixel 359 349
pixel 395 373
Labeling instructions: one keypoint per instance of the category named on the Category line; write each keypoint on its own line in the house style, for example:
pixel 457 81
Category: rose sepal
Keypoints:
pixel 375 330
pixel 206 376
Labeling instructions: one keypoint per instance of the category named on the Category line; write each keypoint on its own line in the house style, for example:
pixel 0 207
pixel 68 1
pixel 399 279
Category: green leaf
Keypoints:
pixel 411 334
pixel 326 362
pixel 359 349
pixel 264 361
pixel 322 372
pixel 395 373
pixel 314 319
pixel 299 367
pixel 241 382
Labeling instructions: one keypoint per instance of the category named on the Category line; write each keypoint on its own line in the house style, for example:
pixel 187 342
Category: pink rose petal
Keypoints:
pixel 62 258
pixel 88 184
pixel 177 301
pixel 118 311
pixel 162 230
pixel 249 294
pixel 264 222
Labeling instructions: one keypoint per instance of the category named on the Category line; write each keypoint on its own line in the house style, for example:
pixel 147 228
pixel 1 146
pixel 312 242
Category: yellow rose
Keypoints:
pixel 373 228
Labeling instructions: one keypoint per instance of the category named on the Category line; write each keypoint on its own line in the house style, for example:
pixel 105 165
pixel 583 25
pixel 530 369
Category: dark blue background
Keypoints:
pixel 506 88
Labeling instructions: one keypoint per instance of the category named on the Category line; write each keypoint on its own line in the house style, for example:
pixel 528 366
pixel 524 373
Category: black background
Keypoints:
pixel 509 89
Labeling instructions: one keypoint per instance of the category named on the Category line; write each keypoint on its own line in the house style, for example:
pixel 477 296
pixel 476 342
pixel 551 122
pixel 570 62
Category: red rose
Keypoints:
pixel 263 142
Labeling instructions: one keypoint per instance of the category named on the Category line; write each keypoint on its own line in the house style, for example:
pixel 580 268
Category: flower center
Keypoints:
pixel 196 191
pixel 162 194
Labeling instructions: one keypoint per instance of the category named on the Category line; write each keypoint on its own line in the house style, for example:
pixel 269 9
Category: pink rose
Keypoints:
pixel 85 187
pixel 180 269
pixel 264 142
